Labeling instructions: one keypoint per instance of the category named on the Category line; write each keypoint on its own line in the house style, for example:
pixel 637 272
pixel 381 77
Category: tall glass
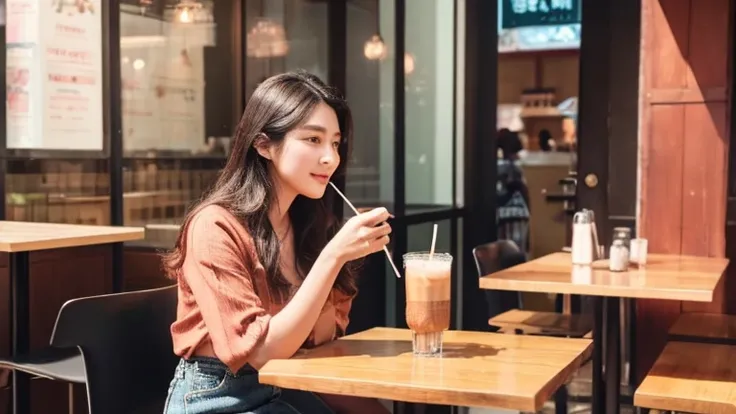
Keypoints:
pixel 427 300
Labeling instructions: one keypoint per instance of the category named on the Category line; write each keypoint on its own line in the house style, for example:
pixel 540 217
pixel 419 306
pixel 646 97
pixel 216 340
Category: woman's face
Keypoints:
pixel 308 156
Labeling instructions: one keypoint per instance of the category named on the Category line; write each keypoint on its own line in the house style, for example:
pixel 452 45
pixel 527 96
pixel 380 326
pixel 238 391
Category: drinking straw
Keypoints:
pixel 385 249
pixel 434 240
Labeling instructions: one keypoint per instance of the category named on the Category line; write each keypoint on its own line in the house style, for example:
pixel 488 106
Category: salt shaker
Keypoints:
pixel 618 258
pixel 582 238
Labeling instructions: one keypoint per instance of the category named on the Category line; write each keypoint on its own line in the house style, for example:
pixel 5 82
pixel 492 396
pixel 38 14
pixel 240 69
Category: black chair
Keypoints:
pixel 119 345
pixel 503 306
pixel 494 257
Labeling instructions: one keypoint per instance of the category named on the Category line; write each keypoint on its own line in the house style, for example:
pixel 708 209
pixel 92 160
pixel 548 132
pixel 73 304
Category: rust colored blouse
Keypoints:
pixel 224 297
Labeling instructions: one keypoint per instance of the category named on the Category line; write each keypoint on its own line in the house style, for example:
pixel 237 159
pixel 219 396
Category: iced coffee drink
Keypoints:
pixel 427 300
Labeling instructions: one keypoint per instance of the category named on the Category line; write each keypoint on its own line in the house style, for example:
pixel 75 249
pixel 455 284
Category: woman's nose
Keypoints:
pixel 329 157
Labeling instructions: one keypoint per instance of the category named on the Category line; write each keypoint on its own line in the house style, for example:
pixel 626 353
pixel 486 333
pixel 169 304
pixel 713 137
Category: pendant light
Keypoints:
pixel 375 48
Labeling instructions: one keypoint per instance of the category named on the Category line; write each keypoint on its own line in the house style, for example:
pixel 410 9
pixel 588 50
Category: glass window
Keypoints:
pixel 284 35
pixel 370 91
pixel 180 105
pixel 429 69
pixel 58 191
pixel 420 237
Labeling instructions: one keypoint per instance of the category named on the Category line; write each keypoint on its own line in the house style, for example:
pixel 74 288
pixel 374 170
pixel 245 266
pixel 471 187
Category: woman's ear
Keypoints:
pixel 263 145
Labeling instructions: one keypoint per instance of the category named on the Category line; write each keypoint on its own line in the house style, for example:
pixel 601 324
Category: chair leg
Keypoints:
pixel 561 400
pixel 70 389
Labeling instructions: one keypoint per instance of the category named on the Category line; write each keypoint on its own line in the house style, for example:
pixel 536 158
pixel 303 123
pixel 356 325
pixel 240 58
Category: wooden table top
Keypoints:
pixel 19 236
pixel 478 369
pixel 664 277
pixel 691 377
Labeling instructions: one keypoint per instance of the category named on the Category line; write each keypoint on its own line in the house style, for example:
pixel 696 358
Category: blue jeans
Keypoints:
pixel 205 386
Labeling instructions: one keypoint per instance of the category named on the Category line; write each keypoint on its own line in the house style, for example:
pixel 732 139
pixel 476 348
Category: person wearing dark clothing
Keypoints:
pixel 512 193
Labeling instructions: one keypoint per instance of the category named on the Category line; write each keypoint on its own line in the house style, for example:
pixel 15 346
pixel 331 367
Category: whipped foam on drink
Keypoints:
pixel 428 280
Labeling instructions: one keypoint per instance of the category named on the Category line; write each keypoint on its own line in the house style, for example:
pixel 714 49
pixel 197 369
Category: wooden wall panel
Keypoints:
pixel 665 43
pixel 709 45
pixel 704 189
pixel 662 193
pixel 663 198
pixel 684 144
pixel 143 270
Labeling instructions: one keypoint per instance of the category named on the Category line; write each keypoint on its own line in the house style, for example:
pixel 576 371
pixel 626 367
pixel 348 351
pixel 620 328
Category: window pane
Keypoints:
pixel 429 70
pixel 420 237
pixel 58 191
pixel 284 35
pixel 370 91
pixel 180 104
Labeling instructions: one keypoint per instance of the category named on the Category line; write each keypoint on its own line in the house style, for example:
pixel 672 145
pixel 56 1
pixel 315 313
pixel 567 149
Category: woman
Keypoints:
pixel 262 264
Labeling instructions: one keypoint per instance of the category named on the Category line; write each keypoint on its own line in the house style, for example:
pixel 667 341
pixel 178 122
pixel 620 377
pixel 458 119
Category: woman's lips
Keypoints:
pixel 322 178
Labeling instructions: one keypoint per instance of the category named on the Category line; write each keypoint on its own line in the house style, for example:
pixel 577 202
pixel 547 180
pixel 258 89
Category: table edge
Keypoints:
pixel 616 292
pixel 72 241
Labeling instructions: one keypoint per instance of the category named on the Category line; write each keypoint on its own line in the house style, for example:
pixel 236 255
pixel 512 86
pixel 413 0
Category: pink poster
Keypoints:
pixel 55 64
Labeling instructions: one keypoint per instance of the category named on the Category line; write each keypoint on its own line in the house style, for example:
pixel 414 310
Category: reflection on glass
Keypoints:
pixel 429 104
pixel 58 191
pixel 375 48
pixel 285 35
pixel 267 39
pixel 179 108
pixel 370 91
pixel 420 237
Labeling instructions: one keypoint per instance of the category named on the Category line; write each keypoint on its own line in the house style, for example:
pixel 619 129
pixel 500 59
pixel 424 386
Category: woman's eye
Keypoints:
pixel 314 140
pixel 336 144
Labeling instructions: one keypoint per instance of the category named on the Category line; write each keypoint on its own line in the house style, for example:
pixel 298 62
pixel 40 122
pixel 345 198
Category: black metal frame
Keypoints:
pixel 20 325
pixel 396 291
pixel 479 222
pixel 114 125
pixel 609 72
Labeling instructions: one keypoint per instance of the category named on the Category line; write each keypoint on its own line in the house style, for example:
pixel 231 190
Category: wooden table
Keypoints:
pixel 664 277
pixel 20 238
pixel 691 377
pixel 477 369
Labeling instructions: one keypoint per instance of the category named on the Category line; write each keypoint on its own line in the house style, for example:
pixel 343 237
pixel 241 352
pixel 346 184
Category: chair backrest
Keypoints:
pixel 126 342
pixel 494 257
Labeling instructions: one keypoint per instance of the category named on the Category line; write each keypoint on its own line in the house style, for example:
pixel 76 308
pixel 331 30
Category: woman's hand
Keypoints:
pixel 362 235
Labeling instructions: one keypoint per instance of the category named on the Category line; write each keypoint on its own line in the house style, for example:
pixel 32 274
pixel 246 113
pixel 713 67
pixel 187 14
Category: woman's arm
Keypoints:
pixel 291 326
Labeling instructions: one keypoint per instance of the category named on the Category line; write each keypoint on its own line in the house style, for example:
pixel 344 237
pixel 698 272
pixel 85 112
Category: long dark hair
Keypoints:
pixel 245 189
